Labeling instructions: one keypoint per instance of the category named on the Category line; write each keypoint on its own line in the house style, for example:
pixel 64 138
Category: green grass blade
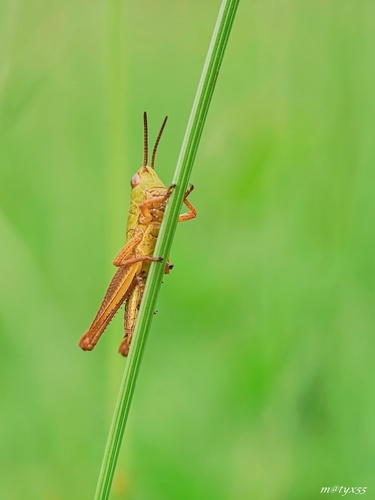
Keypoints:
pixel 181 178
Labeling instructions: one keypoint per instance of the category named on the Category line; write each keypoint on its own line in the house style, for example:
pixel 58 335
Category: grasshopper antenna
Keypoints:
pixel 157 142
pixel 145 140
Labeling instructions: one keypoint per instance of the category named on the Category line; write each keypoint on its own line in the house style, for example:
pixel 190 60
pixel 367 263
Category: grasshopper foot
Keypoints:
pixel 168 268
pixel 191 188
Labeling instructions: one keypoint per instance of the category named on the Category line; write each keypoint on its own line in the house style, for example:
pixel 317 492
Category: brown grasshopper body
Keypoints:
pixel 147 205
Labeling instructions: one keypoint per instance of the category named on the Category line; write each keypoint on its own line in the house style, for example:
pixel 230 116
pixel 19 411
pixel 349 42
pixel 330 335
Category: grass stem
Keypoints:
pixel 181 178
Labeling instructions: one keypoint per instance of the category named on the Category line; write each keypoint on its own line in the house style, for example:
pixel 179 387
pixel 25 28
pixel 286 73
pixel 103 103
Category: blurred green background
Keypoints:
pixel 258 377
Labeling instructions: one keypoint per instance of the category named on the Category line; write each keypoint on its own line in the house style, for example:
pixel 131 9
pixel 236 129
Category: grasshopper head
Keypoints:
pixel 146 177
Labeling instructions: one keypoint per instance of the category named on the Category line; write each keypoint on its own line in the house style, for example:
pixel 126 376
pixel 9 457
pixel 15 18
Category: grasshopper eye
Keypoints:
pixel 135 181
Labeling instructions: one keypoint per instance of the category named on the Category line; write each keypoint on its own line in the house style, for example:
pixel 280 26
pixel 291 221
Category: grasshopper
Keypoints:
pixel 148 200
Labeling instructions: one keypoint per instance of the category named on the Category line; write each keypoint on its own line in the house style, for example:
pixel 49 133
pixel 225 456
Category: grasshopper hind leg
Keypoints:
pixel 132 305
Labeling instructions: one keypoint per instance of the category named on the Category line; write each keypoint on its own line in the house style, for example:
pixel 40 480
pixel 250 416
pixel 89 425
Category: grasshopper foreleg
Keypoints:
pixel 146 215
pixel 192 212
